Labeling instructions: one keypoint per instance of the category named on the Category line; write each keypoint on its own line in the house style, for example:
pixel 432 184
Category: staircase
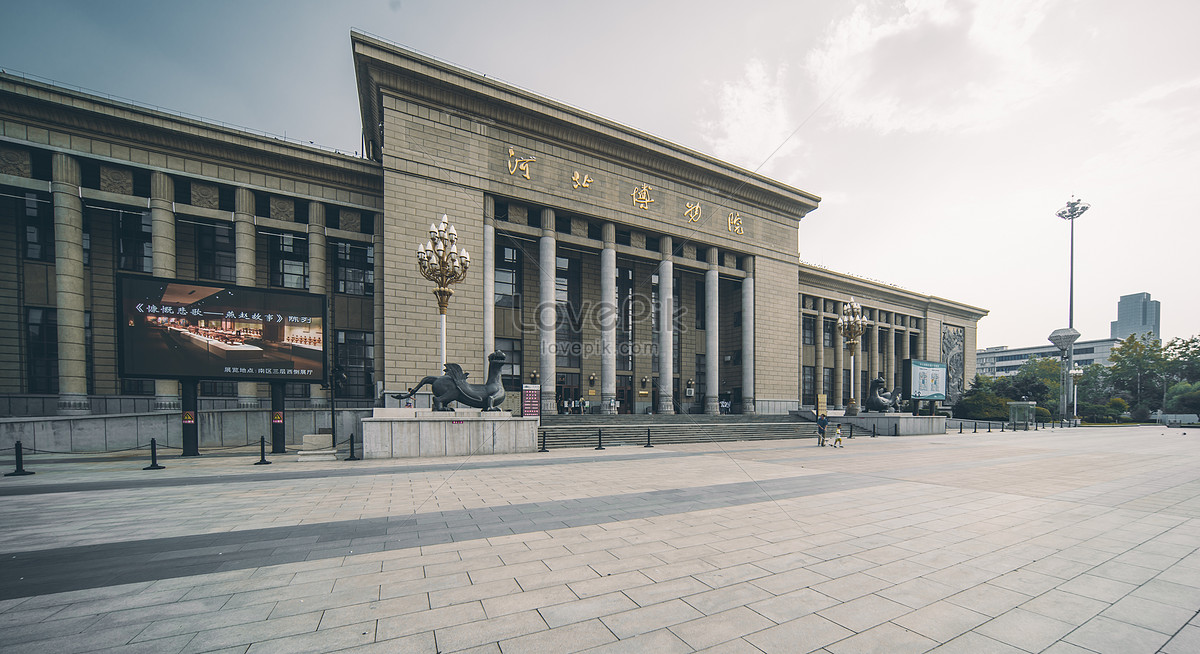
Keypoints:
pixel 629 430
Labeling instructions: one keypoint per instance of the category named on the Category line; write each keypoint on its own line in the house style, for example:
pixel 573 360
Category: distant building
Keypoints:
pixel 1136 314
pixel 1002 361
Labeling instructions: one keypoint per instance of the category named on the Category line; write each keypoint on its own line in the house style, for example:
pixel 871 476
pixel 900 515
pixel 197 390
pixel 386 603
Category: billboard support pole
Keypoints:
pixel 191 431
pixel 278 444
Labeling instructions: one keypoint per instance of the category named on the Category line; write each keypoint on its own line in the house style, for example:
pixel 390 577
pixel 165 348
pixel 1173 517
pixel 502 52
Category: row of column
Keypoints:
pixel 67 199
pixel 547 318
pixel 874 365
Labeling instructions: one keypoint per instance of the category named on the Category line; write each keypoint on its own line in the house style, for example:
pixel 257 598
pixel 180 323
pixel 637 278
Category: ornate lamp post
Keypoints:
pixel 441 262
pixel 1074 209
pixel 851 326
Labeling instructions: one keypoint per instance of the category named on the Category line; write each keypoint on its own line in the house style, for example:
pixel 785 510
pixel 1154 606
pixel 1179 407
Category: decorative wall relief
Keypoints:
pixel 16 162
pixel 954 356
pixel 283 209
pixel 205 196
pixel 116 180
pixel 349 220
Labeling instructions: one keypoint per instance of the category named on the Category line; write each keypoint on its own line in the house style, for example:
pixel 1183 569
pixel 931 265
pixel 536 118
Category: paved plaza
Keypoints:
pixel 1062 541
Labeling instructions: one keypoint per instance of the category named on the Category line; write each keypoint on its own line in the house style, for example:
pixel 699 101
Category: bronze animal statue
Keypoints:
pixel 453 387
pixel 878 400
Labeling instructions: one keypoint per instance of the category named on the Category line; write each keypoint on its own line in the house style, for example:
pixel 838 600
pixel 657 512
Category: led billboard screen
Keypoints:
pixel 173 329
pixel 924 380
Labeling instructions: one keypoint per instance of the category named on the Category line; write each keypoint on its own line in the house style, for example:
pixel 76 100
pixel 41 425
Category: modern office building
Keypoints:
pixel 567 216
pixel 1002 361
pixel 1136 314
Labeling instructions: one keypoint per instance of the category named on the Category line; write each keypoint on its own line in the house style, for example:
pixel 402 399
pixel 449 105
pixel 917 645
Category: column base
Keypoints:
pixel 549 404
pixel 748 406
pixel 712 405
pixel 167 403
pixel 247 402
pixel 608 404
pixel 74 404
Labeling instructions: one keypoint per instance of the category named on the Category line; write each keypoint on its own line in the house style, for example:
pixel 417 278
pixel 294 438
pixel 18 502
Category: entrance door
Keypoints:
pixel 624 393
pixel 567 391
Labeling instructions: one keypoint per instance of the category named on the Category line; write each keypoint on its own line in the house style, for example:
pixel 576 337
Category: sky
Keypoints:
pixel 942 136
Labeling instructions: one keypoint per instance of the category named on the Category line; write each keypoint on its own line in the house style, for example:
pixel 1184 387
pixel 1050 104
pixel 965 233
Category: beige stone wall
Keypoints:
pixel 11 312
pixel 776 377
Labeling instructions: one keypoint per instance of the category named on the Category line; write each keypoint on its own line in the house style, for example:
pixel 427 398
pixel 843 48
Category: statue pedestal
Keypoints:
pixel 399 433
pixel 892 424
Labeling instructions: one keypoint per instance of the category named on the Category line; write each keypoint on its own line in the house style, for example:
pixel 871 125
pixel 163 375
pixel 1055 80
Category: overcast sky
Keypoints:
pixel 942 136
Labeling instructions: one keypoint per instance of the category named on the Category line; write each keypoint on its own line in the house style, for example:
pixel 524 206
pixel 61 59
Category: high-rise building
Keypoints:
pixel 1136 314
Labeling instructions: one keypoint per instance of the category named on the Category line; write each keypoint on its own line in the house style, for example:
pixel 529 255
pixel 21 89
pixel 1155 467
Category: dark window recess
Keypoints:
pixel 35 212
pixel 367 223
pixel 562 224
pixel 501 210
pixel 625 316
pixel 624 237
pixel 183 190
pixel 354 268
pixel 534 218
pixel 137 387
pixel 827 331
pixel 217 389
pixel 135 248
pixel 289 261
pixel 510 373
pixel 354 353
pixel 262 204
pixel 568 297
pixel 595 232
pixel 215 253
pixel 89 173
pixel 508 276
pixel 737 318
pixel 42 347
pixel 301 211
pixel 226 198
pixel 653 243
pixel 810 330
pixel 297 390
pixel 808 386
pixel 141 183
pixel 701 305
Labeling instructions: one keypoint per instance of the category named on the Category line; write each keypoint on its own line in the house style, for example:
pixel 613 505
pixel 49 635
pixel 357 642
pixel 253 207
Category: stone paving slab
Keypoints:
pixel 1057 541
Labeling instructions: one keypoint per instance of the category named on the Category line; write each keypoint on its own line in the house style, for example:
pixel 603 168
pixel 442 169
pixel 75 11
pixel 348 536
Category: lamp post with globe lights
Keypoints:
pixel 1074 209
pixel 851 326
pixel 441 262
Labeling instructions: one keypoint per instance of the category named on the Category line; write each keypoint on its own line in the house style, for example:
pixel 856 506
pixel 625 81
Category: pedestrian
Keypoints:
pixel 837 439
pixel 822 423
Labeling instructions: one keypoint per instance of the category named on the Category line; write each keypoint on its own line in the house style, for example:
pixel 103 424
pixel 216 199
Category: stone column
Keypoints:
pixel 748 338
pixel 69 291
pixel 839 351
pixel 162 225
pixel 380 360
pixel 889 354
pixel 547 312
pixel 819 343
pixel 489 278
pixel 244 257
pixel 608 319
pixel 712 335
pixel 876 358
pixel 666 329
pixel 317 285
pixel 904 353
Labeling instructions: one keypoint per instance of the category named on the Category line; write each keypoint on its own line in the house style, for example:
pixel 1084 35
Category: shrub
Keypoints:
pixel 1041 413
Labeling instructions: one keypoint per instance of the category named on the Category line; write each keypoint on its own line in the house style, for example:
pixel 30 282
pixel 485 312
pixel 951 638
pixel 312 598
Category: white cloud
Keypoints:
pixel 753 123
pixel 1157 125
pixel 932 65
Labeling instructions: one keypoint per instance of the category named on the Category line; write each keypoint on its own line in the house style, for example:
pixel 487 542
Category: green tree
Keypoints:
pixel 1094 386
pixel 1137 370
pixel 980 402
pixel 1183 359
pixel 1036 381
pixel 1179 397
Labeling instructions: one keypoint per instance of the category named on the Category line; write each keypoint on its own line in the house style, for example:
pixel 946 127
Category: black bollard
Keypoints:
pixel 851 431
pixel 1001 427
pixel 543 449
pixel 989 426
pixel 976 430
pixel 153 456
pixel 647 438
pixel 351 457
pixel 872 431
pixel 599 439
pixel 960 426
pixel 20 471
pixel 896 429
pixel 262 452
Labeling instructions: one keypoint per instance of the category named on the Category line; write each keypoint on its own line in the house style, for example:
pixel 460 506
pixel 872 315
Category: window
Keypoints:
pixel 624 237
pixel 701 304
pixel 137 387
pixel 625 303
pixel 297 390
pixel 215 253
pixel 510 373
pixel 354 352
pixel 508 277
pixel 828 330
pixel 845 386
pixel 701 378
pixel 567 298
pixel 217 389
pixel 827 383
pixel 654 323
pixel 808 382
pixel 135 242
pixel 809 329
pixel 289 261
pixel 38 218
pixel 42 345
pixel 562 224
pixel 354 268
pixel 882 340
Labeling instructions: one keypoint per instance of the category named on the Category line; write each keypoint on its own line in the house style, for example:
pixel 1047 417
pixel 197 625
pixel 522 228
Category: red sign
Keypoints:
pixel 277 417
pixel 531 400
pixel 189 418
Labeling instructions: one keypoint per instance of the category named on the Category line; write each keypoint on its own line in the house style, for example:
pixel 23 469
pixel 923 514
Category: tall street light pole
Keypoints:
pixel 441 263
pixel 851 324
pixel 1074 209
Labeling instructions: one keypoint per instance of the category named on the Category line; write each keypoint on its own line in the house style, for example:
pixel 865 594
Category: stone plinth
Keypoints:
pixel 398 433
pixel 891 424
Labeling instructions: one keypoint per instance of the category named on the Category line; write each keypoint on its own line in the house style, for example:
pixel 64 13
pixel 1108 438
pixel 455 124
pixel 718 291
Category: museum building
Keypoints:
pixel 618 272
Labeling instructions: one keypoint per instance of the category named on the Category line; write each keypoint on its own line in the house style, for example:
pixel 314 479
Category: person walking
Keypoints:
pixel 837 439
pixel 822 423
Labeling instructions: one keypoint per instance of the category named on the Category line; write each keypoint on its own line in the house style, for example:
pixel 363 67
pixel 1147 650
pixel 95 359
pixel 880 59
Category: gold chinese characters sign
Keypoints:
pixel 516 163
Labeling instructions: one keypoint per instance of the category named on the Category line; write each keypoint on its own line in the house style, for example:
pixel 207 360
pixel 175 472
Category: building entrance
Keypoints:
pixel 624 393
pixel 566 390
